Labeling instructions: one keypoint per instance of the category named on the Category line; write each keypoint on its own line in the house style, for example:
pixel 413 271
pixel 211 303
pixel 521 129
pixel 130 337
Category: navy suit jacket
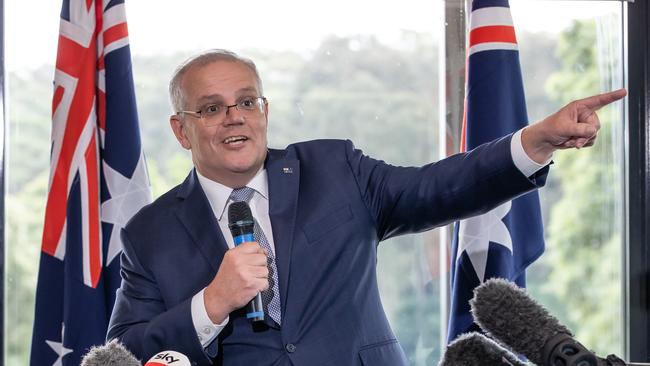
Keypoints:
pixel 330 206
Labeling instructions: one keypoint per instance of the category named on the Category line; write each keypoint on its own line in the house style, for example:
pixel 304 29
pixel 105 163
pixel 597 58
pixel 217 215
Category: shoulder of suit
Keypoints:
pixel 156 210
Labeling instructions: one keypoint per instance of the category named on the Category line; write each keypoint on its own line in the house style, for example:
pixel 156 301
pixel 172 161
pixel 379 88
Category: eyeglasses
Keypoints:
pixel 213 114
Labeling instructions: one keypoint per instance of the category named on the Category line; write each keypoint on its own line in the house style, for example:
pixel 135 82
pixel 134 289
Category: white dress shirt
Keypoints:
pixel 218 196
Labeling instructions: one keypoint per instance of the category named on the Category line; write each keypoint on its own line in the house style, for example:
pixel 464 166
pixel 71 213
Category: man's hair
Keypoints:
pixel 203 59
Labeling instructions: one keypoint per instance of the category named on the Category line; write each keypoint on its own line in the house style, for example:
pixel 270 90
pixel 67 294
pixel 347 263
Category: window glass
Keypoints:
pixel 579 277
pixel 369 74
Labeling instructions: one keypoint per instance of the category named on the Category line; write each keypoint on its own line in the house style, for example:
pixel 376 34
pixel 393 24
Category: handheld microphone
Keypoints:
pixel 166 358
pixel 510 316
pixel 112 353
pixel 475 349
pixel 241 224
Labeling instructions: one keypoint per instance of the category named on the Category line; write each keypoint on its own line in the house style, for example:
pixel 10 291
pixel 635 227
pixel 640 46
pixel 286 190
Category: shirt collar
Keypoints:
pixel 218 193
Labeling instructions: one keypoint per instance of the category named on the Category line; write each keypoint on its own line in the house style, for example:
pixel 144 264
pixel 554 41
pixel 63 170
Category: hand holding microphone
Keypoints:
pixel 242 224
pixel 243 273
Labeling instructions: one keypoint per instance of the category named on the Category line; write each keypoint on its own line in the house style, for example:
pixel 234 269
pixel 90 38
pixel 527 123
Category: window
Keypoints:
pixel 368 73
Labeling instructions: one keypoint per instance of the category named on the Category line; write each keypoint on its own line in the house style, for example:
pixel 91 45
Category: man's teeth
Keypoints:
pixel 234 139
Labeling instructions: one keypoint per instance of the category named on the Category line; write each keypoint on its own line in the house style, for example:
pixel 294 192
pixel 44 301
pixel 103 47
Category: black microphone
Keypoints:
pixel 112 353
pixel 241 224
pixel 475 349
pixel 514 319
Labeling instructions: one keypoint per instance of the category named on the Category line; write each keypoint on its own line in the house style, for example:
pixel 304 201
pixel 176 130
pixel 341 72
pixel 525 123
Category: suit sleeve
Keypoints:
pixel 414 199
pixel 141 320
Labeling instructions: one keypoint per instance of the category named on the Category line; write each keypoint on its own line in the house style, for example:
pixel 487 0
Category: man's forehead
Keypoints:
pixel 220 80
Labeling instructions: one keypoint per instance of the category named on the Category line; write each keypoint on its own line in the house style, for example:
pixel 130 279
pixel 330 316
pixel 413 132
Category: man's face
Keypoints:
pixel 232 148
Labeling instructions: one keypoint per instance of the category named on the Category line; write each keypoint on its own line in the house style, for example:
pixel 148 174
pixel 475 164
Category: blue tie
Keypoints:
pixel 270 297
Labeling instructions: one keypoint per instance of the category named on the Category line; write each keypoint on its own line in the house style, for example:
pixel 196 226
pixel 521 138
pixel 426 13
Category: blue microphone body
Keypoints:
pixel 239 239
pixel 241 224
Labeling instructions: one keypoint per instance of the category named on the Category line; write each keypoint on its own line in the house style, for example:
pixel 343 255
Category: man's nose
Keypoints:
pixel 233 115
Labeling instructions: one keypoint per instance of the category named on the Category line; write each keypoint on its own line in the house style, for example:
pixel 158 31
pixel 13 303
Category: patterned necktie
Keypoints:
pixel 270 297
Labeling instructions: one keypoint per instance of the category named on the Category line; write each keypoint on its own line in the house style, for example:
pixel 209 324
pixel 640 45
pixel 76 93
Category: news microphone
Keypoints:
pixel 510 316
pixel 242 224
pixel 166 358
pixel 112 353
pixel 475 349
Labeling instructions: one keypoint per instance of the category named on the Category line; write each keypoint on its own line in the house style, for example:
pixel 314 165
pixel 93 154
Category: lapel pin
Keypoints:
pixel 287 170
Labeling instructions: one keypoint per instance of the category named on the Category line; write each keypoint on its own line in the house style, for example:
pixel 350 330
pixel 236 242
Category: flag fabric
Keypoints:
pixel 98 180
pixel 504 241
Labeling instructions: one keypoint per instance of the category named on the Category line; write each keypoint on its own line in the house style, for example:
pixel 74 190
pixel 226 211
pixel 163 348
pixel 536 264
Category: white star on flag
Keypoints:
pixel 127 197
pixel 476 233
pixel 59 348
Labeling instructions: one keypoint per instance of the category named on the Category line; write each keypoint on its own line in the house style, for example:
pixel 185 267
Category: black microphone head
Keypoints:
pixel 475 349
pixel 239 211
pixel 240 218
pixel 112 353
pixel 510 316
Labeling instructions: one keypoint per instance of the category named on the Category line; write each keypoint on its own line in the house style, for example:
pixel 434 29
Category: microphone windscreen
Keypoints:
pixel 510 316
pixel 475 349
pixel 239 211
pixel 165 358
pixel 112 353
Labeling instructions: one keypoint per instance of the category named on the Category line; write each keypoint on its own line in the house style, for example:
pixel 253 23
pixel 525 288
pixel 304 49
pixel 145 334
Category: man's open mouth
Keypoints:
pixel 235 140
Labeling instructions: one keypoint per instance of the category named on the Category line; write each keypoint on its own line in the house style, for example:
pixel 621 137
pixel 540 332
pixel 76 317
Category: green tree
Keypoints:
pixel 24 223
pixel 384 99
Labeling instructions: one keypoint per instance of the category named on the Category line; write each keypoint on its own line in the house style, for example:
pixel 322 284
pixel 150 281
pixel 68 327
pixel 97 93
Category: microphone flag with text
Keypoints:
pixel 98 181
pixel 505 240
pixel 166 358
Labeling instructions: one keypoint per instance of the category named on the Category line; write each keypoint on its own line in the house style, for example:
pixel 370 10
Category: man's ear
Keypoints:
pixel 178 126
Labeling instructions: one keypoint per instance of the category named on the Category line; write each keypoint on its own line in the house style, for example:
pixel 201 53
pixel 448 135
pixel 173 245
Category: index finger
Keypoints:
pixel 598 101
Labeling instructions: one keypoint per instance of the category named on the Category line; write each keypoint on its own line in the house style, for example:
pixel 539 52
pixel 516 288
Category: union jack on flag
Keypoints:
pixel 98 180
pixel 504 241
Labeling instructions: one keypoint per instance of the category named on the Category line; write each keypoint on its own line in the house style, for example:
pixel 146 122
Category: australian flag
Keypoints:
pixel 504 241
pixel 98 180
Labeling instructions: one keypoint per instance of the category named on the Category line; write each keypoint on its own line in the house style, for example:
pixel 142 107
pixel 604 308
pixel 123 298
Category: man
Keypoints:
pixel 320 207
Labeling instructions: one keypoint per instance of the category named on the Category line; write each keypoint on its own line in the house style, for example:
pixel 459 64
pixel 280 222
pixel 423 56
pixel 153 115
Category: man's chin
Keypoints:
pixel 244 169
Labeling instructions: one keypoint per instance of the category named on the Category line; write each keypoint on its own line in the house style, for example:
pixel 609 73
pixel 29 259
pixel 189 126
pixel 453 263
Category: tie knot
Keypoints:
pixel 242 194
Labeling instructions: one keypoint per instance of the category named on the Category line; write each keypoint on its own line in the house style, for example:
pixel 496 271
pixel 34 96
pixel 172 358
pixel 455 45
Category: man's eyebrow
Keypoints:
pixel 247 90
pixel 209 98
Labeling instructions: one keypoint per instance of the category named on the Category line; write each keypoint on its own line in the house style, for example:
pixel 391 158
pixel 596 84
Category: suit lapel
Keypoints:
pixel 197 217
pixel 284 175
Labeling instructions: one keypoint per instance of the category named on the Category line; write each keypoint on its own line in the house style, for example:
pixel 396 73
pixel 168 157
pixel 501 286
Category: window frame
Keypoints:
pixel 637 258
pixel 3 129
pixel 637 135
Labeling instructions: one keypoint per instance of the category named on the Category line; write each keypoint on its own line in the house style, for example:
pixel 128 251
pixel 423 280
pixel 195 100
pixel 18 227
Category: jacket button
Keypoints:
pixel 290 347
